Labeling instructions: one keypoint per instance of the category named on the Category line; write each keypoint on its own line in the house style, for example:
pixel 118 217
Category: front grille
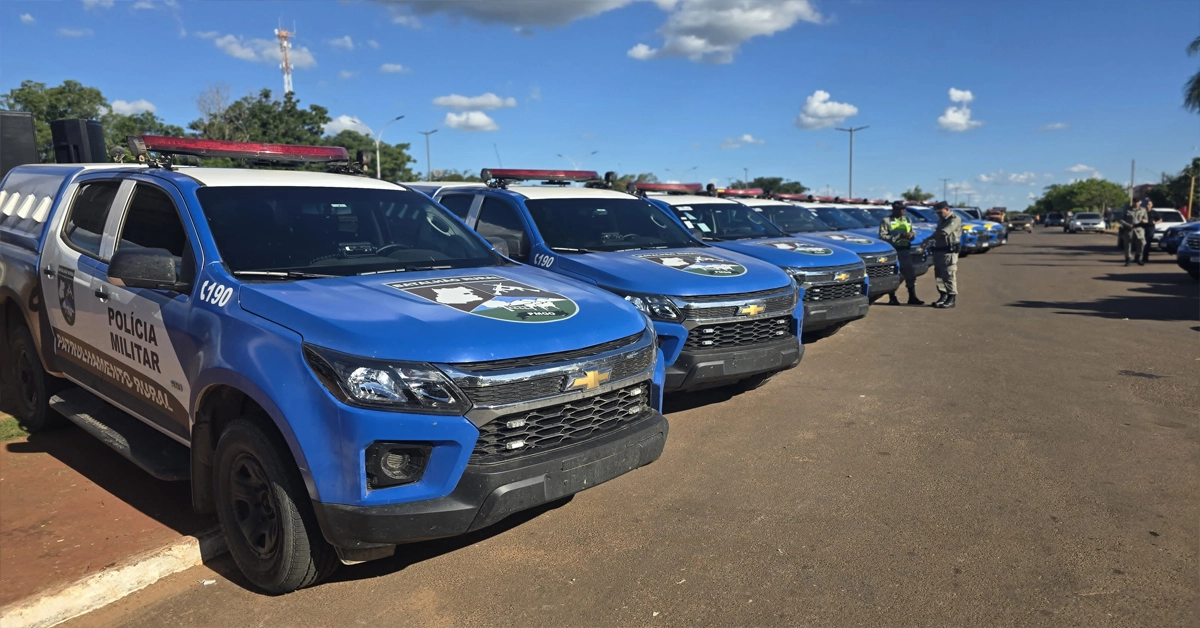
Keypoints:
pixel 544 429
pixel 622 365
pixel 776 304
pixel 549 358
pixel 881 270
pixel 832 292
pixel 739 334
pixel 1193 241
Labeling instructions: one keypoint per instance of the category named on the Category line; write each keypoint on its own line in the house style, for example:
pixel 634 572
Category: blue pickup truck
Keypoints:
pixel 834 279
pixel 337 364
pixel 722 317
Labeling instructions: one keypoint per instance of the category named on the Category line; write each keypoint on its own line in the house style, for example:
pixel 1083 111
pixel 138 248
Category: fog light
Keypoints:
pixel 394 464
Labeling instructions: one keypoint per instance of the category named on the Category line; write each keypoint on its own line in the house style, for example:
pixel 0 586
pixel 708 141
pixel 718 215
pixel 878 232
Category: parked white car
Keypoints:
pixel 1085 221
pixel 1169 218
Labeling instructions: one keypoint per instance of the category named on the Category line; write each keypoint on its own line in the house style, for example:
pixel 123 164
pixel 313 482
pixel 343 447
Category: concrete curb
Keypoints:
pixel 55 606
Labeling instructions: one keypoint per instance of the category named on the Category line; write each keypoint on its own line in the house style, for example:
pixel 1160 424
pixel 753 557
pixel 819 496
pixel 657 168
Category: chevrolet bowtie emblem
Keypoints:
pixel 841 276
pixel 883 260
pixel 752 309
pixel 587 380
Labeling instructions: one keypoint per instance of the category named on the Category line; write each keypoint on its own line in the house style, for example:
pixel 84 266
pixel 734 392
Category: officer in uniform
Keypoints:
pixel 945 254
pixel 898 231
pixel 1152 219
pixel 1133 224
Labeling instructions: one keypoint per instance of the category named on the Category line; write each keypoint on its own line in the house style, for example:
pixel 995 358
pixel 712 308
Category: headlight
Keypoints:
pixel 968 227
pixel 385 385
pixel 655 306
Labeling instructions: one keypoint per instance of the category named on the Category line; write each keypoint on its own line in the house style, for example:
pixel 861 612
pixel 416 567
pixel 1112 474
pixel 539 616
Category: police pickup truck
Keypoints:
pixel 721 317
pixel 336 363
pixel 834 280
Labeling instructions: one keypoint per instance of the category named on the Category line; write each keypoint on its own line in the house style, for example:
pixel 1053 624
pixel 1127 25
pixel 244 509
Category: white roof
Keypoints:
pixel 763 202
pixel 445 184
pixel 241 177
pixel 676 200
pixel 534 192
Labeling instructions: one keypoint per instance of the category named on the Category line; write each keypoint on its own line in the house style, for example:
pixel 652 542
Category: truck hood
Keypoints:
pixel 860 241
pixel 684 272
pixel 792 252
pixel 463 315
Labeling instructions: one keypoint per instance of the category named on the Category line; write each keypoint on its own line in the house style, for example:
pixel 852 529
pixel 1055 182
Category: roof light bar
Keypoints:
pixel 515 174
pixel 680 188
pixel 142 144
pixel 740 192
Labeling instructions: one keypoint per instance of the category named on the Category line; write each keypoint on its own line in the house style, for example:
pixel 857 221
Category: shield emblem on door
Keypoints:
pixel 66 294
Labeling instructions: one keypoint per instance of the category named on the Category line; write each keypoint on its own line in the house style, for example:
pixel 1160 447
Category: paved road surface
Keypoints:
pixel 1030 458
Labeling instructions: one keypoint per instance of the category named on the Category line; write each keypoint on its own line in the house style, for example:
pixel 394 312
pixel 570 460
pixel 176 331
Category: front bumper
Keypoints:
pixel 707 368
pixel 488 493
pixel 1188 260
pixel 1094 228
pixel 885 285
pixel 822 314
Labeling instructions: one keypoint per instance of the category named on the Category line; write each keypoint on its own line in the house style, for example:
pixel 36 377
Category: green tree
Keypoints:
pixel 69 100
pixel 118 127
pixel 395 160
pixel 453 175
pixel 916 194
pixel 1085 195
pixel 1191 89
pixel 1173 191
pixel 624 180
pixel 770 185
pixel 260 118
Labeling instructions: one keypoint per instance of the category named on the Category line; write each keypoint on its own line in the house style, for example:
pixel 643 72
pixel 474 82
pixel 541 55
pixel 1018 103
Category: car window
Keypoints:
pixel 838 219
pixel 726 221
pixel 794 219
pixel 458 204
pixel 153 222
pixel 1088 215
pixel 605 224
pixel 499 220
pixel 85 224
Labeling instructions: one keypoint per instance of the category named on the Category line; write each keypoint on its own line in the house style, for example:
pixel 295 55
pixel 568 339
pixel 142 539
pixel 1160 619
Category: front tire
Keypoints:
pixel 754 382
pixel 265 512
pixel 34 385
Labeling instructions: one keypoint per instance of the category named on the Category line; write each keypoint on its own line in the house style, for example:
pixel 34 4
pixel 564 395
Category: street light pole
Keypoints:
pixel 428 170
pixel 378 161
pixel 851 131
pixel 746 174
pixel 944 188
pixel 577 164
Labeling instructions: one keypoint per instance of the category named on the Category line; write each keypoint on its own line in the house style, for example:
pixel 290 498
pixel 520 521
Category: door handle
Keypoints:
pixel 102 294
pixel 50 272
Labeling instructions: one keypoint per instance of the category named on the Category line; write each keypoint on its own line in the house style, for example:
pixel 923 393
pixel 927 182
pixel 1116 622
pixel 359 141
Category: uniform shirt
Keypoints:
pixel 1135 217
pixel 891 230
pixel 949 231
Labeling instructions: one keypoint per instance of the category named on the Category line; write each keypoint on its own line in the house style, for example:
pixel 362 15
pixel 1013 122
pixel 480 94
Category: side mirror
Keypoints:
pixel 145 268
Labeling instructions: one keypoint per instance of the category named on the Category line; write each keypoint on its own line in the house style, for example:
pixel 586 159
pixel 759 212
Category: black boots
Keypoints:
pixel 941 299
pixel 913 300
pixel 892 300
pixel 948 303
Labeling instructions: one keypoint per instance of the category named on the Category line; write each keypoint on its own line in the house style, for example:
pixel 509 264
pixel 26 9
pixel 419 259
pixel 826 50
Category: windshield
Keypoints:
pixel 927 214
pixel 880 214
pixel 583 225
pixel 726 221
pixel 837 218
pixel 793 219
pixel 1167 215
pixel 290 232
pixel 964 215
pixel 1088 216
pixel 862 216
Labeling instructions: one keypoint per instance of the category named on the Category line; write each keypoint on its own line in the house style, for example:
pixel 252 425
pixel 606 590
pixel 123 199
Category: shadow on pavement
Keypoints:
pixel 1163 297
pixel 679 402
pixel 169 503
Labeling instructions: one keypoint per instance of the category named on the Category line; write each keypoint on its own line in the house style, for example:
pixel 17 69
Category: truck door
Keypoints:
pixel 70 265
pixel 145 331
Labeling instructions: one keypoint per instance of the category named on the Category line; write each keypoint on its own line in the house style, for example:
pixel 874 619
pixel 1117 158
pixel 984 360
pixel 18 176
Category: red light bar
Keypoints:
pixel 140 144
pixel 879 202
pixel 667 187
pixel 796 197
pixel 828 199
pixel 514 174
pixel 750 192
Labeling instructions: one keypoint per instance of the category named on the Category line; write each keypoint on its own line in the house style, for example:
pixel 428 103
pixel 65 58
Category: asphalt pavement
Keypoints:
pixel 1029 458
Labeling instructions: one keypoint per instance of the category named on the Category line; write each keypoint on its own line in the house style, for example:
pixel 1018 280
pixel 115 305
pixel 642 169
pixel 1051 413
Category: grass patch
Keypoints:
pixel 9 430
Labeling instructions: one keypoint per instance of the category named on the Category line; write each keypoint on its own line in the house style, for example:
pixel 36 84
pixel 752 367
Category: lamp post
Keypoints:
pixel 577 164
pixel 378 161
pixel 851 131
pixel 428 170
pixel 682 175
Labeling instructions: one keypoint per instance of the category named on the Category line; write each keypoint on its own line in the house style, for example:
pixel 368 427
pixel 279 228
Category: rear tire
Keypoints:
pixel 33 385
pixel 265 512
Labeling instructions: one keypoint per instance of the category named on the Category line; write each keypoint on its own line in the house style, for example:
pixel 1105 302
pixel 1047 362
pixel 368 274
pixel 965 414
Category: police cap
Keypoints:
pixel 941 205
pixel 898 205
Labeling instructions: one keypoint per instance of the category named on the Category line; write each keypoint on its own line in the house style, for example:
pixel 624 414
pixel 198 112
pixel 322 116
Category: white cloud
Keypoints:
pixel 742 140
pixel 129 108
pixel 958 118
pixel 523 31
pixel 263 50
pixel 347 123
pixel 523 13
pixel 27 18
pixel 392 68
pixel 142 4
pixel 345 43
pixel 75 32
pixel 207 34
pixel 97 4
pixel 819 112
pixel 347 74
pixel 1091 172
pixel 471 121
pixel 406 20
pixel 1003 178
pixel 711 31
pixel 1055 126
pixel 373 44
pixel 535 93
pixel 484 102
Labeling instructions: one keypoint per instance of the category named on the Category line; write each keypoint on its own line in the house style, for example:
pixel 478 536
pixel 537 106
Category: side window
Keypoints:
pixel 153 222
pixel 458 204
pixel 499 222
pixel 85 224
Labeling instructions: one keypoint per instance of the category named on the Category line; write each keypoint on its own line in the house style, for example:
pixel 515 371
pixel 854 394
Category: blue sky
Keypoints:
pixel 1043 91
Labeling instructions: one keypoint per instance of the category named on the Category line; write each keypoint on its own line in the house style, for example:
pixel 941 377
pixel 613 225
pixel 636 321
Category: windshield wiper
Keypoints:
pixel 403 270
pixel 280 274
pixel 567 249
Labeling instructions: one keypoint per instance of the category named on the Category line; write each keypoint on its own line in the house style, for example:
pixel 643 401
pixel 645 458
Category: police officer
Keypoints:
pixel 898 231
pixel 1132 224
pixel 1152 219
pixel 945 254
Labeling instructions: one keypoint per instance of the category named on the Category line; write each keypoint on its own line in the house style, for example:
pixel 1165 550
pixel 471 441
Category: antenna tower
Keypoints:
pixel 284 46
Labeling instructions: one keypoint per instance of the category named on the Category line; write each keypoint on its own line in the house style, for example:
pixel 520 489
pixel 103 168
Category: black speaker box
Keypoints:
pixel 78 141
pixel 18 141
